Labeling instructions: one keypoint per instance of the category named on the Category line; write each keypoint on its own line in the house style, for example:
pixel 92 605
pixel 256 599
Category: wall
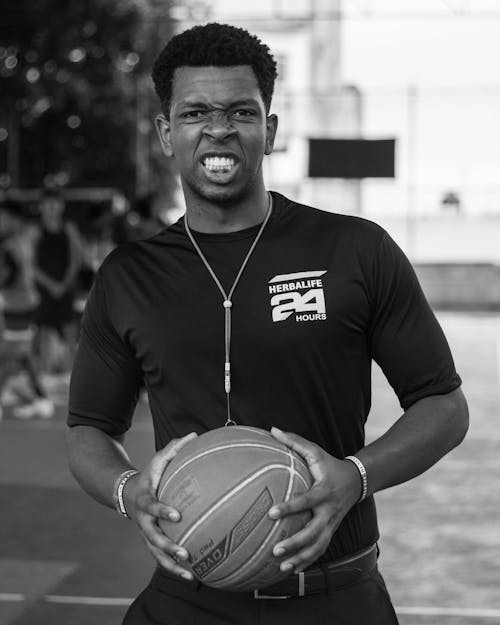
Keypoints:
pixel 456 286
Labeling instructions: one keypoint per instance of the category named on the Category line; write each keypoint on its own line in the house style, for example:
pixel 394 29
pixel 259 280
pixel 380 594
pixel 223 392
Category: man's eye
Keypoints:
pixel 193 114
pixel 243 113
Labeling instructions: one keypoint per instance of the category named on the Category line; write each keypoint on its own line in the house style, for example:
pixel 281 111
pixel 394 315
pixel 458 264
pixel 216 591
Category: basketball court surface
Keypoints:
pixel 66 560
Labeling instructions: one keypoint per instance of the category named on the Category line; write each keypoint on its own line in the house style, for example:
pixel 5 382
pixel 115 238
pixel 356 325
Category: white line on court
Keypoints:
pixel 101 601
pixel 472 612
pixel 12 596
pixel 125 601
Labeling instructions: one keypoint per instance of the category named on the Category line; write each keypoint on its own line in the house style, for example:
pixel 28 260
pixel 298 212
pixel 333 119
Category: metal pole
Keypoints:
pixel 411 173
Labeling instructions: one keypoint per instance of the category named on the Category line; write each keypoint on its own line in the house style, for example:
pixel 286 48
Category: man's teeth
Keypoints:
pixel 219 163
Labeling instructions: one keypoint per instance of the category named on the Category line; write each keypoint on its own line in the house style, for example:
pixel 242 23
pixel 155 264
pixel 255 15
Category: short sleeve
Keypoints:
pixel 106 377
pixel 405 337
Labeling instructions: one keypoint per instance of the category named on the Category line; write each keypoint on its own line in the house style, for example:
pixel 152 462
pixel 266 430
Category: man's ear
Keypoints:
pixel 163 128
pixel 271 128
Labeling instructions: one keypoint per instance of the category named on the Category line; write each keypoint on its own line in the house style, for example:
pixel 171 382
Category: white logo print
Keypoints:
pixel 300 293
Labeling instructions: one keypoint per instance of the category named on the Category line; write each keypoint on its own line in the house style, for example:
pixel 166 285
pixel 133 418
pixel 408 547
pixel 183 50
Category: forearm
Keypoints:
pixel 45 280
pixel 427 431
pixel 96 460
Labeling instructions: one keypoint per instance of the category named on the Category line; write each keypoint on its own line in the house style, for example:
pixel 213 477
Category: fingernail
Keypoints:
pixel 275 429
pixel 286 566
pixel 187 576
pixel 278 551
pixel 181 554
pixel 274 513
pixel 174 516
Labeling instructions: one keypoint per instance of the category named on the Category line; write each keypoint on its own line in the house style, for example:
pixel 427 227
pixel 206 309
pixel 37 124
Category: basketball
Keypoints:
pixel 224 483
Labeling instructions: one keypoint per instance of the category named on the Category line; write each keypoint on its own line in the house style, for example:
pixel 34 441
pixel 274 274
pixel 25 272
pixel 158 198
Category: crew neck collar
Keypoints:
pixel 245 233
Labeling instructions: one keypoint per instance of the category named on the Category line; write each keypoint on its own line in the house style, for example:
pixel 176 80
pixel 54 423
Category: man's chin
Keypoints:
pixel 222 194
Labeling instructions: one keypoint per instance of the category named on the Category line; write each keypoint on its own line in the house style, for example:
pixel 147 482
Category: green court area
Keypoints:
pixel 65 560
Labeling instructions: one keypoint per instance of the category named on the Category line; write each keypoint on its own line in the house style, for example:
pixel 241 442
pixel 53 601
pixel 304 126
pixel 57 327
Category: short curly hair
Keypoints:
pixel 218 45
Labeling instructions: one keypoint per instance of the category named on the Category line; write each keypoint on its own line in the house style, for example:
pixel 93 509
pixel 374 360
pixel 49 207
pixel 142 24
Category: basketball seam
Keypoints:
pixel 291 470
pixel 302 479
pixel 227 578
pixel 213 450
pixel 249 428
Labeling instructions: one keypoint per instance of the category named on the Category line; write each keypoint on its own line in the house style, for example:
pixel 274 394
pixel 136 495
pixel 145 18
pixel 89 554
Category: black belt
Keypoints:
pixel 324 578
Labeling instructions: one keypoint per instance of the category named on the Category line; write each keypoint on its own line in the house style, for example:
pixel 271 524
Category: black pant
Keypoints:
pixel 169 602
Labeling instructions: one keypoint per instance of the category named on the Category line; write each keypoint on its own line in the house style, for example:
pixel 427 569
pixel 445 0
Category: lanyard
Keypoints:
pixel 227 302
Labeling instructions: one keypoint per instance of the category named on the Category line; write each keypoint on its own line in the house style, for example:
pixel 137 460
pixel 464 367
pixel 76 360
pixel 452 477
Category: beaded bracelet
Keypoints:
pixel 362 473
pixel 118 491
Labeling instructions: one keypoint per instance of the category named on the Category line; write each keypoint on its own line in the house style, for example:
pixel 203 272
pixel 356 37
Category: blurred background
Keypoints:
pixel 388 109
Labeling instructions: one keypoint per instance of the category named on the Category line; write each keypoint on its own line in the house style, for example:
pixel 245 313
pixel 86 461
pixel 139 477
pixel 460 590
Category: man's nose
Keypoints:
pixel 219 126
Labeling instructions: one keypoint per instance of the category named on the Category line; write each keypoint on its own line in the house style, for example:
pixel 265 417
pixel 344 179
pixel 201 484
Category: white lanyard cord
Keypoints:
pixel 227 302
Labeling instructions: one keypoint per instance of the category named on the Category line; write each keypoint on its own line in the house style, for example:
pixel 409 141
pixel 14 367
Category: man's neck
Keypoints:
pixel 212 218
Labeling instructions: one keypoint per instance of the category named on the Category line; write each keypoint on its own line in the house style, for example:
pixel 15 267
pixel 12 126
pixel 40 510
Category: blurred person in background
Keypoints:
pixel 100 233
pixel 20 386
pixel 100 238
pixel 57 263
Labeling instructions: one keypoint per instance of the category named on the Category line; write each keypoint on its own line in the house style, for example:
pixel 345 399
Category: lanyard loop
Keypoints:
pixel 227 302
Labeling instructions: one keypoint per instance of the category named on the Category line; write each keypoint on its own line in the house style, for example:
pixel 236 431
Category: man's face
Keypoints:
pixel 218 131
pixel 51 210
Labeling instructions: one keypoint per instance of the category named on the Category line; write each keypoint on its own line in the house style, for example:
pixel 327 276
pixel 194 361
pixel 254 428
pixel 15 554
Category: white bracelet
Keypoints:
pixel 362 473
pixel 118 491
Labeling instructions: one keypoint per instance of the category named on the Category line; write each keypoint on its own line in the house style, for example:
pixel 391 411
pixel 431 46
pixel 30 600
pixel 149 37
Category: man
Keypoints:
pixel 57 262
pixel 308 298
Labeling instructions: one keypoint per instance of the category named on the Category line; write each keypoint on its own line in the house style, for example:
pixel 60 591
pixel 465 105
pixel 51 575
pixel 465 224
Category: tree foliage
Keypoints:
pixel 68 82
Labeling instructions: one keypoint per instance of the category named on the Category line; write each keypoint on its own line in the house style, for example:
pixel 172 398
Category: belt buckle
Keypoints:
pixel 301 590
pixel 257 595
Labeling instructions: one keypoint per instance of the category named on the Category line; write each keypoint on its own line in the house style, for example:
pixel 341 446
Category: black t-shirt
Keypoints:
pixel 322 295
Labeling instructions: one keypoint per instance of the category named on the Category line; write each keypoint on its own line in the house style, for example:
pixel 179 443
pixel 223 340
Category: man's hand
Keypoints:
pixel 336 488
pixel 57 290
pixel 143 506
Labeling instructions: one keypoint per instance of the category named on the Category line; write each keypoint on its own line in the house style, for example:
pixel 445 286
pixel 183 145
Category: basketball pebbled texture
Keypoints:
pixel 224 483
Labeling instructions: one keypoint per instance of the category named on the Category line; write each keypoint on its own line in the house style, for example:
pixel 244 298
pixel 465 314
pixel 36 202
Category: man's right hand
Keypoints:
pixel 142 505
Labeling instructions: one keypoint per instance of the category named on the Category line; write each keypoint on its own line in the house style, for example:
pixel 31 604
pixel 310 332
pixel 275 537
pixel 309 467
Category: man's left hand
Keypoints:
pixel 336 488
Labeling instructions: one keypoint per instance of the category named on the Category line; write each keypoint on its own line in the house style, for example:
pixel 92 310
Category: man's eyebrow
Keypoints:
pixel 247 102
pixel 205 105
pixel 193 104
